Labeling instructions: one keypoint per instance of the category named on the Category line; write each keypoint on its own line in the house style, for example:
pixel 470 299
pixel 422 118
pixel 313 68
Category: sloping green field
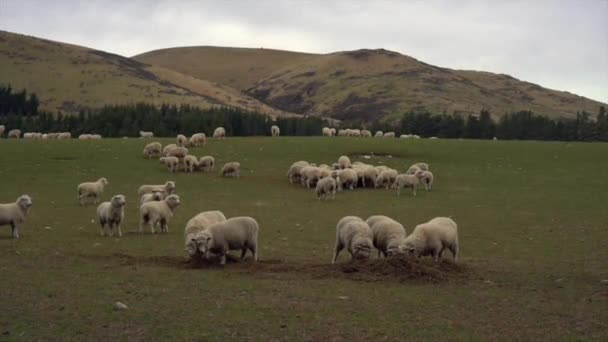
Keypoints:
pixel 532 222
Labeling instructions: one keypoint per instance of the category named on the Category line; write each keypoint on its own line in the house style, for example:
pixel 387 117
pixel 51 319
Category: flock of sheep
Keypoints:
pixel 210 235
pixel 364 133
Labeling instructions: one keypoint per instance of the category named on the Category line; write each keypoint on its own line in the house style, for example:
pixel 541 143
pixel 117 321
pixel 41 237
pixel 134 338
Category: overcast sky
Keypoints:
pixel 557 44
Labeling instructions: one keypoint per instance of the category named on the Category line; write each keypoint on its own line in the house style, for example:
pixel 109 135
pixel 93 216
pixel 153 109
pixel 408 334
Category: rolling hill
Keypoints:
pixel 364 84
pixel 68 77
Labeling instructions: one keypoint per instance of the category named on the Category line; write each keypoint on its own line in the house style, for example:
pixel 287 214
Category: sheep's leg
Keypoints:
pixel 414 189
pixel 152 227
pixel 379 252
pixel 101 228
pixel 243 253
pixel 14 230
pixel 223 259
pixel 454 250
pixel 110 229
pixel 337 251
pixel 398 191
pixel 333 195
pixel 119 231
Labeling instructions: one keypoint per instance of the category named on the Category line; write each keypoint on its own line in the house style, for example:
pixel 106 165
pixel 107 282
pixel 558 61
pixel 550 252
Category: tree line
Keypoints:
pixel 20 110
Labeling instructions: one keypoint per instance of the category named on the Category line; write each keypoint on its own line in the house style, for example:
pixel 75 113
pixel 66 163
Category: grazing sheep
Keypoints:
pixel 275 131
pixel 172 163
pixel 167 148
pixel 190 163
pixel 237 233
pixel 96 136
pixel 366 134
pixel 111 213
pixel 412 170
pixel 346 179
pixel 426 178
pixel 325 187
pixel 231 169
pixel 219 133
pixel 195 226
pixel 422 166
pixel 310 175
pixel 153 150
pixel 154 196
pixel 326 131
pixel 179 152
pixel 344 162
pixel 198 139
pixel 14 214
pixel 356 236
pixel 379 134
pixel 64 135
pixel 389 135
pixel 370 174
pixel 14 133
pixel 386 178
pixel 206 164
pixel 341 132
pixel 153 213
pixel 495 138
pixel 181 140
pixel 416 136
pixel 167 188
pixel 406 181
pixel 388 234
pixel 2 129
pixel 143 134
pixel 333 132
pixel 293 174
pixel 432 238
pixel 405 136
pixel 92 190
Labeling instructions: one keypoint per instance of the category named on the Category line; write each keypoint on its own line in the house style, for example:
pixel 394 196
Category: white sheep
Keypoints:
pixel 153 150
pixel 172 163
pixel 96 136
pixel 143 134
pixel 14 133
pixel 198 139
pixel 422 166
pixel 370 174
pixel 406 181
pixel 325 187
pixel 111 213
pixel 326 132
pixel 181 140
pixel 388 234
pixel 206 163
pixel 275 131
pixel 333 132
pixel 153 196
pixel 196 225
pixel 426 178
pixel 346 179
pixel 2 129
pixel 158 212
pixel 386 178
pixel 432 238
pixel 310 175
pixel 344 162
pixel 84 137
pixel 179 152
pixel 14 213
pixel 64 135
pixel 412 170
pixel 389 135
pixel 231 169
pixel 293 174
pixel 190 163
pixel 167 148
pixel 219 133
pixel 355 235
pixel 167 188
pixel 237 233
pixel 366 133
pixel 341 132
pixel 379 134
pixel 91 190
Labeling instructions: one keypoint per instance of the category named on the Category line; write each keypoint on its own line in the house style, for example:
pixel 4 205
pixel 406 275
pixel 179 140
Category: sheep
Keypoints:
pixel 219 133
pixel 237 233
pixel 172 163
pixel 341 132
pixel 153 196
pixel 14 214
pixel 325 187
pixel 416 136
pixel 366 134
pixel 64 135
pixel 111 213
pixel 369 175
pixel 412 170
pixel 231 169
pixel 333 132
pixel 432 238
pixel 143 134
pixel 84 137
pixel 196 225
pixel 275 131
pixel 389 135
pixel 386 178
pixel 152 213
pixel 190 163
pixel 379 134
pixel 344 162
pixel 14 133
pixel 206 163
pixel 198 139
pixel 167 188
pixel 181 140
pixel 91 190
pixel 388 234
pixel 167 148
pixel 355 235
pixel 153 150
pixel 310 175
pixel 326 132
pixel 96 136
pixel 406 181
pixel 422 166
pixel 179 152
pixel 405 136
pixel 293 174
pixel 2 129
pixel 354 133
pixel 426 178
pixel 346 178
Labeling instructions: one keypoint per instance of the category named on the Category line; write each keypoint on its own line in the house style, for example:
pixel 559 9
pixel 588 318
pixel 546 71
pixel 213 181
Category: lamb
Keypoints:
pixel 389 135
pixel 237 233
pixel 172 163
pixel 153 213
pixel 379 134
pixel 366 134
pixel 346 179
pixel 388 234
pixel 310 175
pixel 293 174
pixel 111 213
pixel 167 148
pixel 190 163
pixel 326 131
pixel 432 238
pixel 325 187
pixel 14 133
pixel 406 181
pixel 275 131
pixel 153 196
pixel 143 134
pixel 179 152
pixel 196 225
pixel 181 140
pixel 2 129
pixel 219 133
pixel 386 178
pixel 344 162
pixel 206 163
pixel 92 190
pixel 231 169
pixel 153 150
pixel 426 178
pixel 198 139
pixel 14 214
pixel 355 235
pixel 167 188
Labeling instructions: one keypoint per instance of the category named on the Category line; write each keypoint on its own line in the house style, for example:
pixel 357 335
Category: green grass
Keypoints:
pixel 532 222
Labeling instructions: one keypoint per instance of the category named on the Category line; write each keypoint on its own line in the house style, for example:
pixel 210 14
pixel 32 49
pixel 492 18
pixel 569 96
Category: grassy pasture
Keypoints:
pixel 532 223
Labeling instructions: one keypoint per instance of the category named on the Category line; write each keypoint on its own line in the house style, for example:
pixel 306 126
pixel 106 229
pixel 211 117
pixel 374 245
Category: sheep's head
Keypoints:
pixel 172 201
pixel 407 248
pixel 191 247
pixel 24 202
pixel 170 187
pixel 157 196
pixel 362 249
pixel 103 181
pixel 119 201
pixel 204 241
